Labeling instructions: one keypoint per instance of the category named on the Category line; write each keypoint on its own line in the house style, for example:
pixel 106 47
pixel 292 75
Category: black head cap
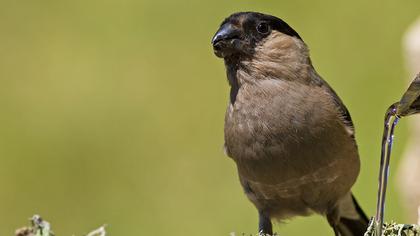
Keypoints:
pixel 240 33
pixel 249 19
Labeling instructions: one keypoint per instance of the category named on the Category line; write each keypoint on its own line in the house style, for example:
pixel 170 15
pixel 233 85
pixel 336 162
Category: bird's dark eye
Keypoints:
pixel 263 28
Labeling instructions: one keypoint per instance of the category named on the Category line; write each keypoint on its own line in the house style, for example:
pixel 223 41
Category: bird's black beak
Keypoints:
pixel 227 40
pixel 226 32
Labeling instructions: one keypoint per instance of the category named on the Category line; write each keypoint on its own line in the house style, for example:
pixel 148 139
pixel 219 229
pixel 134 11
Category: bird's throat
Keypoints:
pixel 231 71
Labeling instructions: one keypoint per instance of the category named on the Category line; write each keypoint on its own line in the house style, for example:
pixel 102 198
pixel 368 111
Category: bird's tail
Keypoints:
pixel 353 221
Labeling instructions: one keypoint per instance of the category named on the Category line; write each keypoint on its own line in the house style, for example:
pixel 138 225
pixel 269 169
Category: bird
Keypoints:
pixel 290 135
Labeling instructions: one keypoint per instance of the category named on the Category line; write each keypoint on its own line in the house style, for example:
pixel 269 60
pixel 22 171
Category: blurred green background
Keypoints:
pixel 112 111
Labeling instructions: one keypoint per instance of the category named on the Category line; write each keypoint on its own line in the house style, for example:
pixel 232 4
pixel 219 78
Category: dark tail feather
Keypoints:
pixel 354 227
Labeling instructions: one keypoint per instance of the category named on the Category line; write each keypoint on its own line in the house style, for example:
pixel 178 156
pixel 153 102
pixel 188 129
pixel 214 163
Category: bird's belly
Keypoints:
pixel 313 192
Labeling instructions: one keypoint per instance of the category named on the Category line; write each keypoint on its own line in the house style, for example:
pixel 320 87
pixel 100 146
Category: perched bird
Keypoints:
pixel 289 133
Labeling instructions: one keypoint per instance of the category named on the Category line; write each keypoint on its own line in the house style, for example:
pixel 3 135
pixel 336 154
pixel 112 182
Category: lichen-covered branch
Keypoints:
pixel 394 229
pixel 40 227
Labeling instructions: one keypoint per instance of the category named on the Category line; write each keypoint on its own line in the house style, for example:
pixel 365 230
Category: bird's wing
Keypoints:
pixel 345 114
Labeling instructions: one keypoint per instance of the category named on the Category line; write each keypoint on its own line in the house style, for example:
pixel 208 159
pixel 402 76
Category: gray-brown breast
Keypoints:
pixel 286 136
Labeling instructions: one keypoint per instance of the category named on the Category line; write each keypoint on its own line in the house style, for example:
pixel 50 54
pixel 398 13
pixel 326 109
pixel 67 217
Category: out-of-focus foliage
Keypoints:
pixel 112 111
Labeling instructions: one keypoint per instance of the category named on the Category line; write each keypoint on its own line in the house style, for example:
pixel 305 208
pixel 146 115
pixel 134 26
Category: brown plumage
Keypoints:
pixel 288 132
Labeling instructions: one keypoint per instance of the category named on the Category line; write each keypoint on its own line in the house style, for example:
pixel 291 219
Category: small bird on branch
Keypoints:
pixel 289 133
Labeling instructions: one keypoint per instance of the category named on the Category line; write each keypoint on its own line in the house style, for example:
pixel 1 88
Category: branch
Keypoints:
pixel 40 227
